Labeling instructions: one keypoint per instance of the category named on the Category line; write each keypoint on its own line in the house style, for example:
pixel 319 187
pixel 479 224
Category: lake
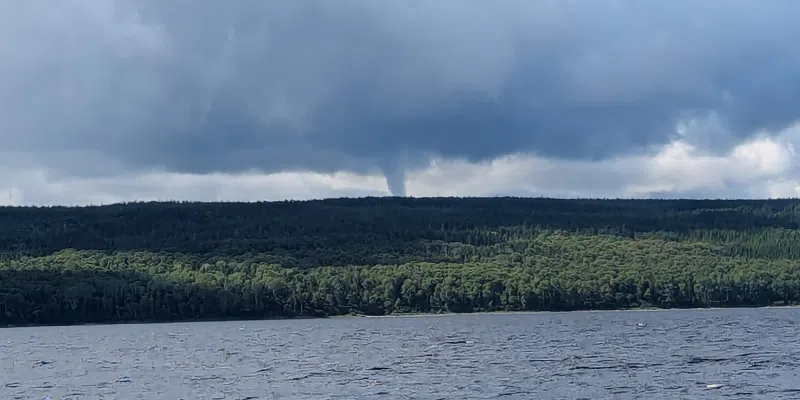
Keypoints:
pixel 687 354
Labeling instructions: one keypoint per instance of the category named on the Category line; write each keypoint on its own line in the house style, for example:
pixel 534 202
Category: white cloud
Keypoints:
pixel 761 167
pixel 40 188
pixel 783 188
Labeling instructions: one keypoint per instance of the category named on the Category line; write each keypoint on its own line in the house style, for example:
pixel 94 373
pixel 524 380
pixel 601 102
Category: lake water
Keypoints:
pixel 750 353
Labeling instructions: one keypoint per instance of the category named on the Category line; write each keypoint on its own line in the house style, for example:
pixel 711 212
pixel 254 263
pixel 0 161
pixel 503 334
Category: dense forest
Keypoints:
pixel 166 261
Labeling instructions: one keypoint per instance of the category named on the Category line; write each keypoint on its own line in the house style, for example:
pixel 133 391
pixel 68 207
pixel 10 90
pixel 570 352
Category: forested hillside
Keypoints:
pixel 175 261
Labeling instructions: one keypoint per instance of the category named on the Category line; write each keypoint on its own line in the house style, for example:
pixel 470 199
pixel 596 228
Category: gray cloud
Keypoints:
pixel 360 85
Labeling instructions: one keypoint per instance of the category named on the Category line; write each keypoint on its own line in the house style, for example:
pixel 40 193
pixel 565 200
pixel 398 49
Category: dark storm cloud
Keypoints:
pixel 362 85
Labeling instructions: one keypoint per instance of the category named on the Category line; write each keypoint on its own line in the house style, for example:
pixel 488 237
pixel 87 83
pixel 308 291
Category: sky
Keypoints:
pixel 134 100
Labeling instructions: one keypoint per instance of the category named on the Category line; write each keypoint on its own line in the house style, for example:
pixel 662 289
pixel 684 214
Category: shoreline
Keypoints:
pixel 397 315
pixel 479 313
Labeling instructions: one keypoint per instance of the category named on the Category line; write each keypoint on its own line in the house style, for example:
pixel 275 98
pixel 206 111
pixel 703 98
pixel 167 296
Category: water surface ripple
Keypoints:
pixel 691 354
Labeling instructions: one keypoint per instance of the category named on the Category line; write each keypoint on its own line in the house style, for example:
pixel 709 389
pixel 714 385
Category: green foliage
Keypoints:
pixel 377 256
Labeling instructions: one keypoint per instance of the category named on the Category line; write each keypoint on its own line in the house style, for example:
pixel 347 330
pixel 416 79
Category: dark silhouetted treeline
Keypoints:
pixel 376 256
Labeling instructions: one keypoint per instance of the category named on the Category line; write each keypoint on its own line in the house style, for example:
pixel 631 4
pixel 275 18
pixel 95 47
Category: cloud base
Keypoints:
pixel 143 99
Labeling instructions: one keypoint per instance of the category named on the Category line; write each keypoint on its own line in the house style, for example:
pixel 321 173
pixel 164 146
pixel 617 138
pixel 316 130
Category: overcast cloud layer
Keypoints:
pixel 115 100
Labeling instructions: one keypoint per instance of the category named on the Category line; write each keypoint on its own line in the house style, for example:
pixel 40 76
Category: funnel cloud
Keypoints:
pixel 396 181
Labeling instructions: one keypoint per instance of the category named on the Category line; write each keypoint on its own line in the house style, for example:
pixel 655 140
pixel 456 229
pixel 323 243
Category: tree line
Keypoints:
pixel 167 261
